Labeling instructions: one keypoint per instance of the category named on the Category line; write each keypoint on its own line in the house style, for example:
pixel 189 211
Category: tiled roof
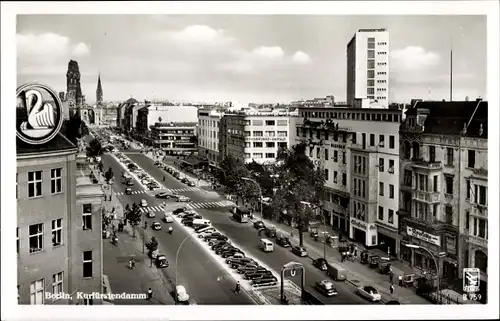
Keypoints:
pixel 58 143
pixel 448 118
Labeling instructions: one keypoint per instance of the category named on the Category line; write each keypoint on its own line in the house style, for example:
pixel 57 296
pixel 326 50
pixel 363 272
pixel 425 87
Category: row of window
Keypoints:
pixel 210 133
pixel 359 165
pixel 413 151
pixel 267 134
pixel 336 177
pixel 267 145
pixel 363 116
pixel 172 131
pixel 359 210
pixel 359 187
pixel 212 123
pixel 381 191
pixel 381 165
pixel 259 155
pixel 259 122
pixel 381 214
pixel 479 226
pixel 35 182
pixel 209 144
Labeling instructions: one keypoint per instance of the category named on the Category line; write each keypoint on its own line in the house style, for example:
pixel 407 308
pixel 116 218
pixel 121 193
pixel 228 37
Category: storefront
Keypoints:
pixel 362 232
pixel 388 239
pixel 420 258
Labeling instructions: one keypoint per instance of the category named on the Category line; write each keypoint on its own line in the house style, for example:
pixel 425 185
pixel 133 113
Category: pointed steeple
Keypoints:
pixel 99 94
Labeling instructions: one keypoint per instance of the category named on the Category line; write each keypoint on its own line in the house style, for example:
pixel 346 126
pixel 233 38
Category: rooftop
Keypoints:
pixel 57 144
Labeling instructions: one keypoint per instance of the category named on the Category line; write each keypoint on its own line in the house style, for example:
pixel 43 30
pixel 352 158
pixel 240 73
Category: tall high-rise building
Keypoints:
pixel 98 92
pixel 368 66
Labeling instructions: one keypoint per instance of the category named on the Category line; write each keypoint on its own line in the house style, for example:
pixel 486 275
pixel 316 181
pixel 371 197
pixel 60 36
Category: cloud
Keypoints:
pixel 413 58
pixel 199 35
pixel 269 52
pixel 81 49
pixel 301 57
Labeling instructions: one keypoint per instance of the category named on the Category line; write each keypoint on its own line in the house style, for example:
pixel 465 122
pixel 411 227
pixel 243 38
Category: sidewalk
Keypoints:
pixel 143 276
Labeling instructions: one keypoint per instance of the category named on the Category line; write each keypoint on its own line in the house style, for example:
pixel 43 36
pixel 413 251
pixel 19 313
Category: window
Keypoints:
pixel 482 228
pixel 363 189
pixel 57 232
pixel 391 166
pixel 432 154
pixel 270 155
pixel 57 283
pixel 391 217
pixel 381 139
pixel 467 187
pixel 326 174
pixel 257 155
pixel 270 123
pixel 282 145
pixel 344 179
pixel 257 122
pixel 482 195
pixel 87 264
pixel 17 240
pixel 370 74
pixel 246 133
pixel 449 214
pixel 326 154
pixel 371 63
pixel 35 184
pixel 471 160
pixel 282 133
pixel 270 133
pixel 371 54
pixel 335 156
pixel 370 91
pixel 247 155
pixel 467 219
pixel 87 216
pixel 371 45
pixel 257 144
pixel 318 134
pixel 435 183
pixel 381 188
pixel 391 191
pixel 372 139
pixel 270 144
pixel 381 213
pixel 449 156
pixel 36 238
pixel 37 292
pixel 88 301
pixel 282 122
pixel 344 158
pixel 248 144
pixel 449 184
pixel 318 152
pixel 335 173
pixel 257 133
pixel 380 164
pixel 422 182
pixel 247 123
pixel 370 83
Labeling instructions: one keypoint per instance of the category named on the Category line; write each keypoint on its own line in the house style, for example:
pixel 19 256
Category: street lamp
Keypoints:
pixel 260 192
pixel 177 257
pixel 324 225
pixel 414 246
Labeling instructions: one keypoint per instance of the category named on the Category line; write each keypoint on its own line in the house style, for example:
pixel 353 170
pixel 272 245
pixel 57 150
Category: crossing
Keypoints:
pixel 175 190
pixel 210 204
pixel 154 209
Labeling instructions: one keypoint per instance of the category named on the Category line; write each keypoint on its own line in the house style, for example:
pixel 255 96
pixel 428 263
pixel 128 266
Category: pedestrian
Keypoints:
pixel 356 252
pixel 400 280
pixel 342 257
pixel 391 276
pixel 150 294
pixel 237 288
pixel 391 288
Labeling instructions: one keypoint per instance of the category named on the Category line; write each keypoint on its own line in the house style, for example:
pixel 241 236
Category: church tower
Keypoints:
pixel 98 92
pixel 73 89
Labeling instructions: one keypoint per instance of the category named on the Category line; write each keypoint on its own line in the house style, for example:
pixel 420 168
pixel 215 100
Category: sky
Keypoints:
pixel 247 58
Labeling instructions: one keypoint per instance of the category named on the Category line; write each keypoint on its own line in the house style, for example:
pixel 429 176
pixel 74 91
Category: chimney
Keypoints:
pixel 478 99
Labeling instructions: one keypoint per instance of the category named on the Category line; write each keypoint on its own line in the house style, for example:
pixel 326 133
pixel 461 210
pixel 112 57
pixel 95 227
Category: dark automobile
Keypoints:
pixel 161 261
pixel 187 221
pixel 326 287
pixel 193 216
pixel 213 235
pixel 201 227
pixel 393 302
pixel 231 252
pixel 222 248
pixel 247 268
pixel 129 183
pixel 191 183
pixel 270 232
pixel 300 251
pixel 259 225
pixel 184 180
pixel 265 281
pixel 235 263
pixel 157 163
pixel 128 191
pixel 179 210
pixel 283 241
pixel 165 195
pixel 212 241
pixel 258 275
pixel 219 244
pixel 321 264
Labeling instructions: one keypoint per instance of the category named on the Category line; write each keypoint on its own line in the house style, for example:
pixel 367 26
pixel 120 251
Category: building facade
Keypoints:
pixel 444 184
pixel 59 242
pixel 359 152
pixel 368 66
pixel 257 136
pixel 209 128
pixel 174 138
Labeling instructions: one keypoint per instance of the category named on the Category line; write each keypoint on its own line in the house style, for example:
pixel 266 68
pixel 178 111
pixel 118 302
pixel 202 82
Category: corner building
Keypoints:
pixel 359 151
pixel 59 240
pixel 444 185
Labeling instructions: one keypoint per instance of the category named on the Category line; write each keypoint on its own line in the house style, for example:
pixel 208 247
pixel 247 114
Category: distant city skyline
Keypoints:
pixel 261 58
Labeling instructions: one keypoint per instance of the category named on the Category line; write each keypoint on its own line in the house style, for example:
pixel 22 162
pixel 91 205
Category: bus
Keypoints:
pixel 241 214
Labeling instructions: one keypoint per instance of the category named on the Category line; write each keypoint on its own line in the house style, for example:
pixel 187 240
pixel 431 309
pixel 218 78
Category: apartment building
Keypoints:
pixel 257 136
pixel 174 138
pixel 359 151
pixel 444 187
pixel 209 129
pixel 368 66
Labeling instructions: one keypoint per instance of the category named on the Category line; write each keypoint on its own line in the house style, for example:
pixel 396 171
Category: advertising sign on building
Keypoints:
pixel 265 139
pixel 429 238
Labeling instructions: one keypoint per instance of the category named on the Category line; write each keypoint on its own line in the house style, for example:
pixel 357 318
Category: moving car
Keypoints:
pixel 165 195
pixel 184 180
pixel 181 294
pixel 179 210
pixel 168 218
pixel 321 264
pixel 369 292
pixel 150 214
pixel 326 287
pixel 128 191
pixel 144 203
pixel 283 241
pixel 191 183
pixel 129 182
pixel 182 198
pixel 187 221
pixel 156 226
pixel 161 261
pixel 259 225
pixel 300 251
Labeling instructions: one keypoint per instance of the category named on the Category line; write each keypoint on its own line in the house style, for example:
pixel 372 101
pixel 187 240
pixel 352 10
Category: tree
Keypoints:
pixel 300 181
pixel 262 174
pixel 233 170
pixel 132 166
pixel 94 149
pixel 108 175
pixel 152 245
pixel 134 217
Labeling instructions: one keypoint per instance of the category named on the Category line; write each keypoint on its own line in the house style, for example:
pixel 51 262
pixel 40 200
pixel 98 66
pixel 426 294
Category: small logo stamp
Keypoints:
pixel 471 277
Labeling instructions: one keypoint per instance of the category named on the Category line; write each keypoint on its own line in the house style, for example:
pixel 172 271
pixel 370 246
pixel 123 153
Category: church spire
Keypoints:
pixel 99 93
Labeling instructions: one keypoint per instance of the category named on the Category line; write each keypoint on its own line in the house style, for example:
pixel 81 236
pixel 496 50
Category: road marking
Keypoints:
pixel 210 204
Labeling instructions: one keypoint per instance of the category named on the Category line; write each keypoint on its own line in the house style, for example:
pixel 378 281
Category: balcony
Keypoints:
pixel 421 164
pixel 366 148
pixel 428 197
pixel 477 241
pixel 479 210
pixel 434 225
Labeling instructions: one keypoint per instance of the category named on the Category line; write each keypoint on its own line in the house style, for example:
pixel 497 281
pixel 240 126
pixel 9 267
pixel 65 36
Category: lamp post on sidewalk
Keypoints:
pixel 414 246
pixel 324 225
pixel 260 192
pixel 177 257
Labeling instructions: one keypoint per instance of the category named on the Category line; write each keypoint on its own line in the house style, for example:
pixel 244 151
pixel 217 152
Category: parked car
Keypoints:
pixel 214 239
pixel 191 183
pixel 206 233
pixel 219 244
pixel 393 302
pixel 179 210
pixel 129 182
pixel 265 281
pixel 225 247
pixel 247 268
pixel 321 264
pixel 370 293
pixel 259 225
pixel 237 262
pixel 186 213
pixel 195 216
pixel 161 261
pixel 156 226
pixel 184 180
pixel 231 252
pixel 258 275
pixel 187 221
pixel 326 287
pixel 300 251
pixel 283 241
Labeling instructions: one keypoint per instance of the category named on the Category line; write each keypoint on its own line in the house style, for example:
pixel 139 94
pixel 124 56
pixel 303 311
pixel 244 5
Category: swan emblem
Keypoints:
pixel 40 114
